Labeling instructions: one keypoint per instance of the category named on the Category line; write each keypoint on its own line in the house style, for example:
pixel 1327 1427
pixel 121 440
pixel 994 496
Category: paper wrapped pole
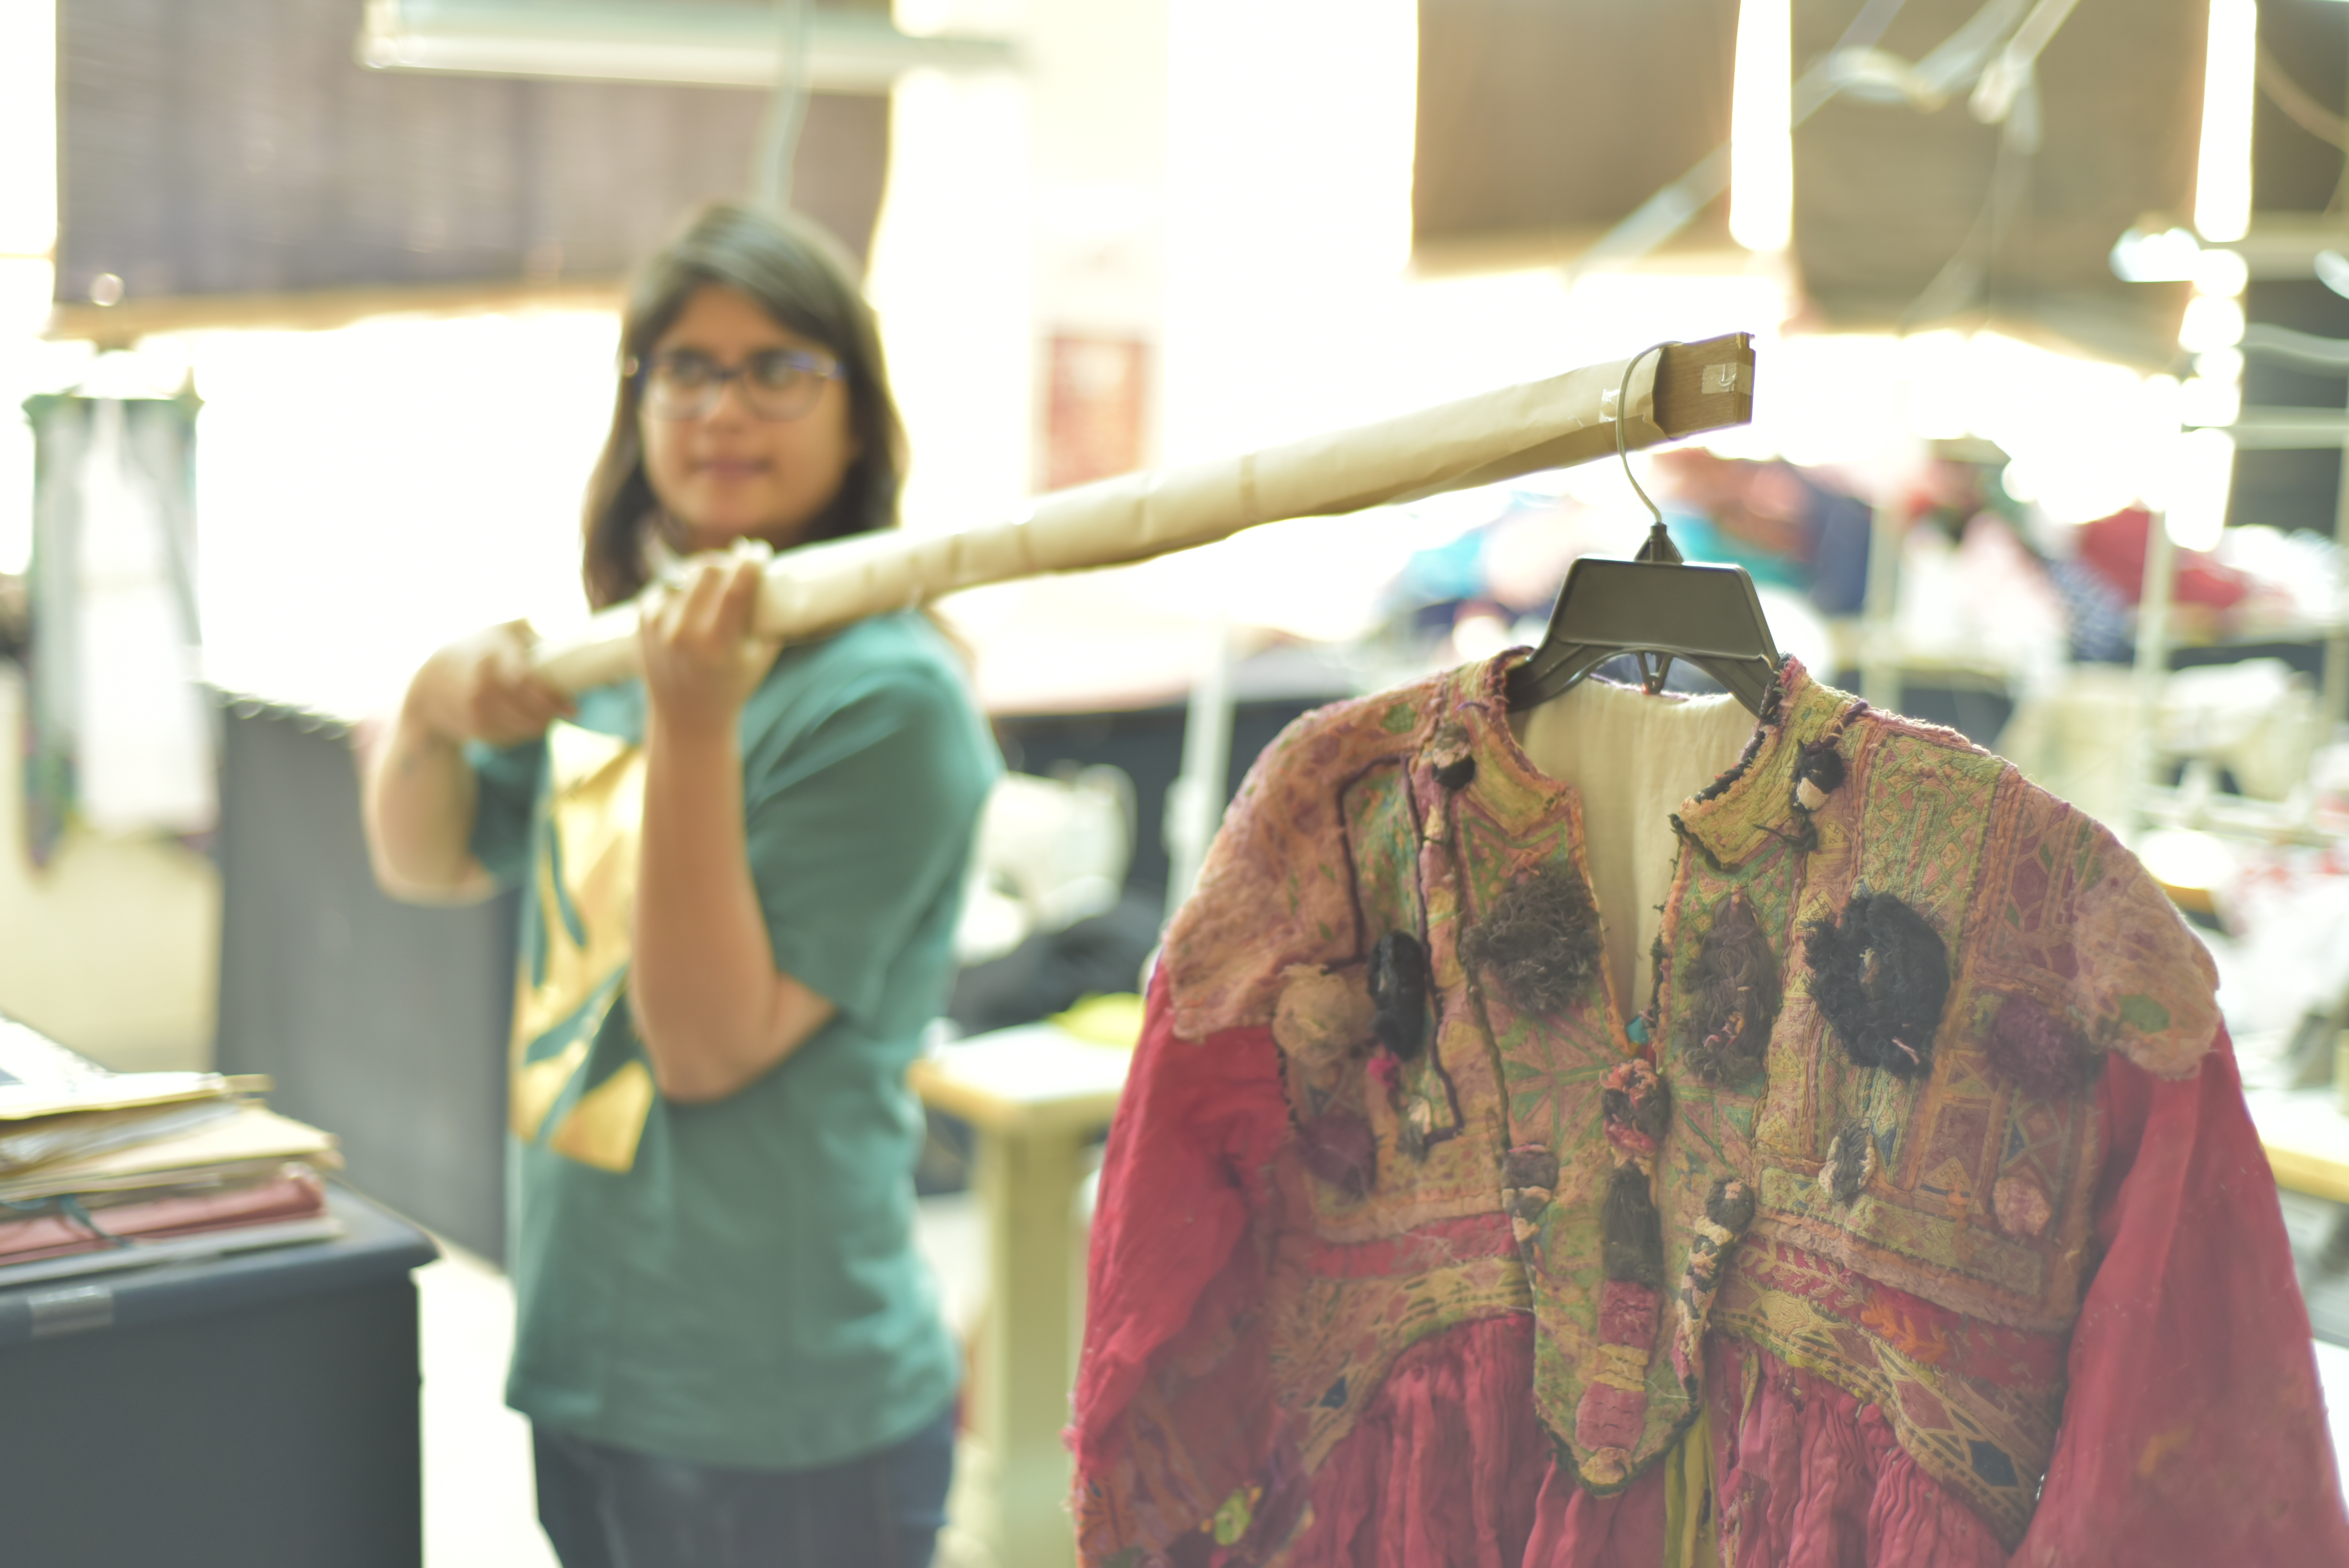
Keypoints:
pixel 1494 435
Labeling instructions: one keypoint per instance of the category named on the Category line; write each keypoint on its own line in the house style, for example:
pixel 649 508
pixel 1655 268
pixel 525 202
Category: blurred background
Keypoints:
pixel 309 309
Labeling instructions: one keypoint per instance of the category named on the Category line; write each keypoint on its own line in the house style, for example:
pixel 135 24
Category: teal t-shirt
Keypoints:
pixel 736 1282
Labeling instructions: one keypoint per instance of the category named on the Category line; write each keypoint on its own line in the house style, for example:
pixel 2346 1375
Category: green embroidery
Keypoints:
pixel 1231 1520
pixel 2144 1015
pixel 1399 718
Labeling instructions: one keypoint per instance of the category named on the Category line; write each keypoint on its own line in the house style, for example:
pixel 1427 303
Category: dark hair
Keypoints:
pixel 802 278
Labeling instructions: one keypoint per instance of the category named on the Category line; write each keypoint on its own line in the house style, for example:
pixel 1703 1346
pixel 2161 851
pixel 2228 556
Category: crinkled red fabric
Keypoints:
pixel 1181 1180
pixel 1443 1466
pixel 1806 1476
pixel 2193 1431
pixel 2194 1428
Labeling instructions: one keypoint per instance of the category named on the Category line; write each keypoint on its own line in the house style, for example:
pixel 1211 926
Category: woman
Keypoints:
pixel 742 876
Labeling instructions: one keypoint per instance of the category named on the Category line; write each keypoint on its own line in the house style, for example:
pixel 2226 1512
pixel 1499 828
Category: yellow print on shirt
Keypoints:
pixel 586 885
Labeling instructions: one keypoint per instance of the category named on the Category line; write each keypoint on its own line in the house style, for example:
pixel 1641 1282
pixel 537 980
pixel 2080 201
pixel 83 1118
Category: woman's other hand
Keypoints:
pixel 420 790
pixel 481 688
pixel 701 660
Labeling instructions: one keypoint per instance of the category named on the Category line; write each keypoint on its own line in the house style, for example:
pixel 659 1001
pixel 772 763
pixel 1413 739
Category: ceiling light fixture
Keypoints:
pixel 2222 181
pixel 1761 128
pixel 695 42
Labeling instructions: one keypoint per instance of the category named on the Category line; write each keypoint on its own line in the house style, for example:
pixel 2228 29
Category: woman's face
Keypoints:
pixel 730 472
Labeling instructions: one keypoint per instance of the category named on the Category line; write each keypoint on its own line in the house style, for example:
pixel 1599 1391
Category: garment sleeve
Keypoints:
pixel 1172 1284
pixel 502 807
pixel 858 827
pixel 2194 1428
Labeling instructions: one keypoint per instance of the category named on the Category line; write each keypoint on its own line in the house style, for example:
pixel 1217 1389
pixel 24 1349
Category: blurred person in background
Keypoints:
pixel 741 876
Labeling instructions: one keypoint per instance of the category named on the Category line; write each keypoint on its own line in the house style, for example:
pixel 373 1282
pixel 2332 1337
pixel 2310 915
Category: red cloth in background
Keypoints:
pixel 2193 1432
pixel 2115 547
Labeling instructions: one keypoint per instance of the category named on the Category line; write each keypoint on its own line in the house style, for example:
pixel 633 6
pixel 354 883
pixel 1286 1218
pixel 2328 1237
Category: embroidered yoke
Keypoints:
pixel 1417 1244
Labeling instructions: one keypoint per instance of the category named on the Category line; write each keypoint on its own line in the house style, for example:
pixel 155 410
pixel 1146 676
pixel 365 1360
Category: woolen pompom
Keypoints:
pixel 1732 991
pixel 1539 943
pixel 1879 973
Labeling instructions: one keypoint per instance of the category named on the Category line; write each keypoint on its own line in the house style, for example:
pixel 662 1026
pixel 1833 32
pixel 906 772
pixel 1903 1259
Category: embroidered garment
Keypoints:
pixel 1915 1219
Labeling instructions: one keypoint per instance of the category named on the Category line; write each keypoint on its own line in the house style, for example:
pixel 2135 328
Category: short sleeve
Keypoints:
pixel 508 795
pixel 861 828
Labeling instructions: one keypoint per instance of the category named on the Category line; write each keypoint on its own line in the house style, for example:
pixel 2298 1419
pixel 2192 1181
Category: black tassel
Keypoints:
pixel 1529 1167
pixel 1633 1231
pixel 1399 994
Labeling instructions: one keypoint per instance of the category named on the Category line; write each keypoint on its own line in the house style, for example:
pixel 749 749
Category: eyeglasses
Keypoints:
pixel 777 383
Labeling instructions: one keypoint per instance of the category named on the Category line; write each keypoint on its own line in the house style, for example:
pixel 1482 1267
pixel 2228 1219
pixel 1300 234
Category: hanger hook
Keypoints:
pixel 1660 545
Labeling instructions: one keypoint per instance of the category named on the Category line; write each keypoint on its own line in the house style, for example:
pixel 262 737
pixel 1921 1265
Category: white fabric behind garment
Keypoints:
pixel 1634 759
pixel 143 739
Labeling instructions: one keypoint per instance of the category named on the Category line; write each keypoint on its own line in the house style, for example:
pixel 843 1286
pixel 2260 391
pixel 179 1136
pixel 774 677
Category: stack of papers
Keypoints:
pixel 102 1169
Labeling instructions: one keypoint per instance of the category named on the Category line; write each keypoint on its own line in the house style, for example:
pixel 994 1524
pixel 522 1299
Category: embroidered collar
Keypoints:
pixel 1745 809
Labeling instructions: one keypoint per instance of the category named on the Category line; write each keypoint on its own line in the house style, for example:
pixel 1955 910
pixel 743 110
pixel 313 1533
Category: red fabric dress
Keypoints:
pixel 2193 1431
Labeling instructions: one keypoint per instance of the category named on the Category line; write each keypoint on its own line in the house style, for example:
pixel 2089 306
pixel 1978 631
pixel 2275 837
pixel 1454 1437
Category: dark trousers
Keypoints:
pixel 610 1508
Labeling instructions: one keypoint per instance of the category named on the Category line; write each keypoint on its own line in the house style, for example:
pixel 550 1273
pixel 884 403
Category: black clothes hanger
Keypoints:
pixel 1654 607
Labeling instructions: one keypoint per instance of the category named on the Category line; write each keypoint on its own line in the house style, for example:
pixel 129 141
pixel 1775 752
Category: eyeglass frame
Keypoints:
pixel 640 371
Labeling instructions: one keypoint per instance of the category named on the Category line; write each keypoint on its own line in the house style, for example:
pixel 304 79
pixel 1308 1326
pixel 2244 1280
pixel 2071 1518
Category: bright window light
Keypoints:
pixel 2163 256
pixel 1761 128
pixel 2219 365
pixel 2222 272
pixel 2211 321
pixel 2204 475
pixel 462 440
pixel 2222 185
pixel 2204 401
pixel 28 159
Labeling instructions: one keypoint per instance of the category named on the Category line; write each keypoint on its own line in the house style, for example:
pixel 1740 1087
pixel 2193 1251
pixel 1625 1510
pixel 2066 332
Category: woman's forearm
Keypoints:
pixel 420 801
pixel 713 1012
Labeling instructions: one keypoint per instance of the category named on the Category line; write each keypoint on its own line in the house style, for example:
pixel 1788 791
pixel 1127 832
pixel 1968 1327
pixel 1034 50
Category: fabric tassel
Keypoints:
pixel 1528 1182
pixel 1819 773
pixel 1637 1106
pixel 1609 1420
pixel 1630 1229
pixel 1728 1214
pixel 1851 1162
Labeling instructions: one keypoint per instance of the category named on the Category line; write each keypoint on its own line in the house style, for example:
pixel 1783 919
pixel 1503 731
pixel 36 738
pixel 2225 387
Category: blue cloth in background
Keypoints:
pixel 1841 528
